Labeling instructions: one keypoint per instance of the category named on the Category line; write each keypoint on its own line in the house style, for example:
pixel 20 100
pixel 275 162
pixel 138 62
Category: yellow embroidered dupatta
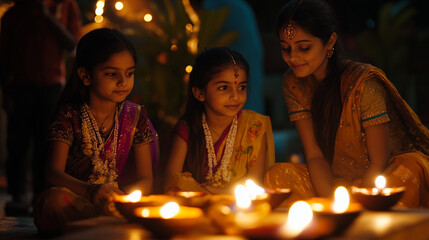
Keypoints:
pixel 251 128
pixel 351 156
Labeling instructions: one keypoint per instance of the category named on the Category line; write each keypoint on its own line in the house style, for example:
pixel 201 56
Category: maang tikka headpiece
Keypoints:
pixel 290 30
pixel 234 65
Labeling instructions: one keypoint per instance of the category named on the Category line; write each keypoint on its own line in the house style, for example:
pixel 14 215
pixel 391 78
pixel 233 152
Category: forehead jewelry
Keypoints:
pixel 235 66
pixel 290 30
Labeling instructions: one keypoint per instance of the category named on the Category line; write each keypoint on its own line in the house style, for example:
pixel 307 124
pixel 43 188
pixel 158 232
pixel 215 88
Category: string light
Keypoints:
pixel 98 19
pixel 99 10
pixel 147 17
pixel 100 4
pixel 193 35
pixel 188 69
pixel 119 5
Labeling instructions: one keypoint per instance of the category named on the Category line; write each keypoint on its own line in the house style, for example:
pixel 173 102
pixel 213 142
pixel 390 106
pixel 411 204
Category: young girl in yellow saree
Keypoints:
pixel 217 143
pixel 352 122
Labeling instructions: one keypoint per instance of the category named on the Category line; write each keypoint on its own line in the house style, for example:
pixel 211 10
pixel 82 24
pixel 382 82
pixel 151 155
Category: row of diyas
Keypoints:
pixel 310 219
pixel 249 213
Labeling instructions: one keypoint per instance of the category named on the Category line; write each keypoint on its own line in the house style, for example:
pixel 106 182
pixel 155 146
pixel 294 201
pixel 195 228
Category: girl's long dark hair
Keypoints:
pixel 94 48
pixel 207 64
pixel 317 18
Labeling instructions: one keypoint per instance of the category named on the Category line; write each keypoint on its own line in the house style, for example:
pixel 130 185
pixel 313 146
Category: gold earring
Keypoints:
pixel 330 53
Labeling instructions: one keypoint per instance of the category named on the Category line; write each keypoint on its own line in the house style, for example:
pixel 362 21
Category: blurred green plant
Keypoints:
pixel 166 45
pixel 388 45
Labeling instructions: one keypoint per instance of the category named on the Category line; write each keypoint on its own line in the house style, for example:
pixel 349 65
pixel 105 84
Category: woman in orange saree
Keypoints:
pixel 352 121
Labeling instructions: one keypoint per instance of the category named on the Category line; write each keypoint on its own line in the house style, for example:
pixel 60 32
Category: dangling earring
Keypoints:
pixel 330 53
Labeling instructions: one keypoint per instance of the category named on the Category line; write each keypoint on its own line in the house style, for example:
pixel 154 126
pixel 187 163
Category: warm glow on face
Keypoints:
pixel 119 5
pixel 134 196
pixel 341 201
pixel 147 17
pixel 299 216
pixel 254 189
pixel 169 210
pixel 242 197
pixel 380 182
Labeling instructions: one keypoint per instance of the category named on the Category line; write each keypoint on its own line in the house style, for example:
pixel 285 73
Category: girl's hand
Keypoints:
pixel 100 194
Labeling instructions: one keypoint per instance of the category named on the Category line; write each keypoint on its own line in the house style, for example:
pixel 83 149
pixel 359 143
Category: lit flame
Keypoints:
pixel 242 197
pixel 341 201
pixel 134 196
pixel 169 210
pixel 380 182
pixel 299 216
pixel 254 189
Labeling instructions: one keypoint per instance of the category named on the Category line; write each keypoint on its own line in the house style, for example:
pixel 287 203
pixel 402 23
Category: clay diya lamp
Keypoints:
pixel 379 198
pixel 170 219
pixel 126 204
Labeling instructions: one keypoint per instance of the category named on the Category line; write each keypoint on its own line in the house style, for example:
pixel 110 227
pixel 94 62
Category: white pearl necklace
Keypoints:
pixel 222 175
pixel 103 172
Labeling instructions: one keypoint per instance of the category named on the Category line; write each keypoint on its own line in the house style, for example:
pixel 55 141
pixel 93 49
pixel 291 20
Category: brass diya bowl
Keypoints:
pixel 126 208
pixel 192 199
pixel 377 200
pixel 277 196
pixel 186 220
pixel 326 222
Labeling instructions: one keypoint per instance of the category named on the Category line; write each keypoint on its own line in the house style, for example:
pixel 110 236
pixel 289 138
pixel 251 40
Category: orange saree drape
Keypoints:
pixel 408 167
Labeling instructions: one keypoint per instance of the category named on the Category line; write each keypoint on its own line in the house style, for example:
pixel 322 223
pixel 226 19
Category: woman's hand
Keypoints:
pixel 319 168
pixel 377 143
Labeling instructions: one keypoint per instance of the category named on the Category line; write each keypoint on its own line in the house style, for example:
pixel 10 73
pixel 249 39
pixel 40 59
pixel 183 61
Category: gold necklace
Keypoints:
pixel 102 127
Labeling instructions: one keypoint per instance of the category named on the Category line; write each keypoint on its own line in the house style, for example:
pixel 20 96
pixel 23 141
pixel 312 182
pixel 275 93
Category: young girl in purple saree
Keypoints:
pixel 100 144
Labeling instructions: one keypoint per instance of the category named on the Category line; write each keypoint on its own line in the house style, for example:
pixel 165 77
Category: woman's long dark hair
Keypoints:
pixel 207 64
pixel 317 18
pixel 94 48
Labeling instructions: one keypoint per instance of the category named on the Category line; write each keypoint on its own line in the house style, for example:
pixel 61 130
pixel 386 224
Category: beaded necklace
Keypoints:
pixel 222 175
pixel 103 171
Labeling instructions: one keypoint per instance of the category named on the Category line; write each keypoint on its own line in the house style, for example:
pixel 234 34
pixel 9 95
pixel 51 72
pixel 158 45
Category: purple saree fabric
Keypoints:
pixel 127 126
